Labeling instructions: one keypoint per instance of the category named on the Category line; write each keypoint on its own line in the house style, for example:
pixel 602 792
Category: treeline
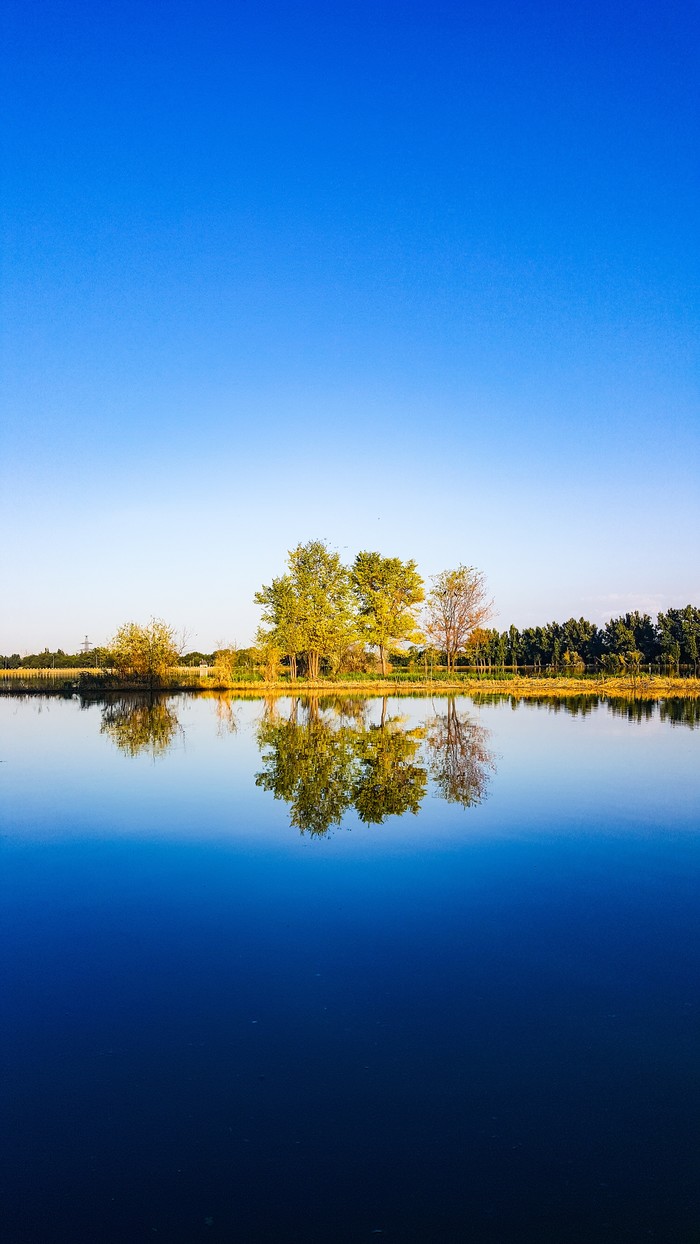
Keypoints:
pixel 633 640
pixel 322 618
pixel 59 660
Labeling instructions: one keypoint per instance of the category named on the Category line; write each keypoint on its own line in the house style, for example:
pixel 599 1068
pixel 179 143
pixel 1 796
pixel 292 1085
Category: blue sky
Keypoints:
pixel 419 278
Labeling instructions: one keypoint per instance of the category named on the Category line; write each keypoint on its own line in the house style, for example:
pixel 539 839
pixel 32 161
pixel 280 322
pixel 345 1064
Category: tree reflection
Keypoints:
pixel 459 757
pixel 309 763
pixel 225 707
pixel 684 712
pixel 138 725
pixel 388 781
pixel 324 758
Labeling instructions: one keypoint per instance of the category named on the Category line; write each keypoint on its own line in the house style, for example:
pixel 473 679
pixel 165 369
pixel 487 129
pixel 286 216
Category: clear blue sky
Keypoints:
pixel 414 277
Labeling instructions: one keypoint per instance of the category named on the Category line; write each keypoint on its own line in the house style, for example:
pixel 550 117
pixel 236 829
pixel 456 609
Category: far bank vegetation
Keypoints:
pixel 376 619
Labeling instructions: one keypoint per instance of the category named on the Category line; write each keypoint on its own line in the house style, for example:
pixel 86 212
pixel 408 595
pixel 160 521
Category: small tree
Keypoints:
pixel 146 653
pixel 284 616
pixel 458 603
pixel 268 656
pixel 225 662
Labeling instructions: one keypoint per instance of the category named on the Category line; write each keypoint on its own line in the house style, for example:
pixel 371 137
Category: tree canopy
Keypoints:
pixel 388 592
pixel 145 652
pixel 308 612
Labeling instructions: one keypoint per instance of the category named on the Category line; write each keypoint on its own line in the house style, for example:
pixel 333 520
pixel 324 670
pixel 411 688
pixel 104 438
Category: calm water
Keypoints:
pixel 417 970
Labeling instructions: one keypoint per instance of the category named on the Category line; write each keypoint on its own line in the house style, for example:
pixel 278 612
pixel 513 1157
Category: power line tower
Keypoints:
pixel 86 646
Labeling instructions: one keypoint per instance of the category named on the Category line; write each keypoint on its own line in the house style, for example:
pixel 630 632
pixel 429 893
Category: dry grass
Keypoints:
pixel 643 687
pixel 21 675
pixel 649 687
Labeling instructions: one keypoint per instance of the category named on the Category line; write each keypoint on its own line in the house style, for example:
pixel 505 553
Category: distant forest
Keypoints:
pixel 671 643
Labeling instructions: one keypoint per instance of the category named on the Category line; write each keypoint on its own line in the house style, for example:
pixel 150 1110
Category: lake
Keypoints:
pixel 349 970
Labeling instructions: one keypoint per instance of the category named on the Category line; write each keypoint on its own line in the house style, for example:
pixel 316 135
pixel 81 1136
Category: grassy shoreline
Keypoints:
pixel 642 686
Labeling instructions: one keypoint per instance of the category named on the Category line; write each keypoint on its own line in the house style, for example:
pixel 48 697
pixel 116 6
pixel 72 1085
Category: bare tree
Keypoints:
pixel 460 759
pixel 457 604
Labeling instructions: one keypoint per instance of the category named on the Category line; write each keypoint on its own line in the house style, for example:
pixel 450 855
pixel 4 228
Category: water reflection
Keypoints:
pixel 679 711
pixel 459 757
pixel 225 707
pixel 137 725
pixel 326 757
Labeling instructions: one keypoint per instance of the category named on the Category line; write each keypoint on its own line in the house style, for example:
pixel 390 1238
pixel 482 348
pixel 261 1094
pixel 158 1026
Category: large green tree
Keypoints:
pixel 387 592
pixel 309 611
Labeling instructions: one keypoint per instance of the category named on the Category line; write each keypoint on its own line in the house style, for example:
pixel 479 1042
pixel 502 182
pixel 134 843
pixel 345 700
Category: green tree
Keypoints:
pixel 146 653
pixel 387 592
pixel 457 605
pixel 268 655
pixel 282 618
pixel 309 611
pixel 514 644
pixel 679 637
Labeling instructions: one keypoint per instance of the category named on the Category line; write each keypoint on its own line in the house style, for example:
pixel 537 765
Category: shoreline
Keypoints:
pixel 639 687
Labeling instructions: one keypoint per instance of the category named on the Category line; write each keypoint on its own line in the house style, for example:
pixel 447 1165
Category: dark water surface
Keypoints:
pixel 307 972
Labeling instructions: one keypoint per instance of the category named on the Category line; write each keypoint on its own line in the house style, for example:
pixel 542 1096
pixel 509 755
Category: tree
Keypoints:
pixel 679 636
pixel 387 592
pixel 457 604
pixel 309 610
pixel 268 656
pixel 282 617
pixel 145 652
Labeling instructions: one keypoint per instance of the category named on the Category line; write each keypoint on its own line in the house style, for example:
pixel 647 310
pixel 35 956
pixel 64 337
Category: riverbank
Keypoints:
pixel 95 683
